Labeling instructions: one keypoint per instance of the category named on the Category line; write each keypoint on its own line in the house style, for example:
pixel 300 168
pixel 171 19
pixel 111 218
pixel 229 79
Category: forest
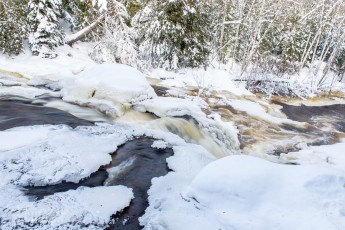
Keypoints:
pixel 268 39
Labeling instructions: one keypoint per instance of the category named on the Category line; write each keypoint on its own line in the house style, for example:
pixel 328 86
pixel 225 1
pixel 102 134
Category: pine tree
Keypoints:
pixel 176 34
pixel 12 26
pixel 45 31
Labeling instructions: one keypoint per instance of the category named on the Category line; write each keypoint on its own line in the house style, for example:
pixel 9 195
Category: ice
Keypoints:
pixel 224 134
pixel 18 137
pixel 206 81
pixel 26 92
pixel 52 154
pixel 330 155
pixel 84 208
pixel 257 110
pixel 110 88
pixel 159 144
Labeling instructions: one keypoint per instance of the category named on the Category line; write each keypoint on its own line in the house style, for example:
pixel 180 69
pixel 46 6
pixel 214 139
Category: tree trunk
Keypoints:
pixel 82 33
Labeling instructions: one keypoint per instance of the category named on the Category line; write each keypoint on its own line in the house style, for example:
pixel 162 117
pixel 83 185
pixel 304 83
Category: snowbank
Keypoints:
pixel 242 192
pixel 110 88
pixel 70 61
pixel 168 209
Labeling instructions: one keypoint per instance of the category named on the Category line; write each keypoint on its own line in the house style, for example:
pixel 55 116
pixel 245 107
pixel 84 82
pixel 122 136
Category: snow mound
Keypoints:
pixel 111 88
pixel 242 192
pixel 74 209
pixel 168 209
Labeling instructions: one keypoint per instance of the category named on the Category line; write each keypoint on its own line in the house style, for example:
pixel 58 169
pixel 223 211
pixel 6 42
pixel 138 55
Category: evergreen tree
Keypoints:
pixel 12 26
pixel 45 31
pixel 80 14
pixel 176 33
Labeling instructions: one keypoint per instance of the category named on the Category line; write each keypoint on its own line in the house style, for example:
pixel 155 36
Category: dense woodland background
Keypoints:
pixel 276 37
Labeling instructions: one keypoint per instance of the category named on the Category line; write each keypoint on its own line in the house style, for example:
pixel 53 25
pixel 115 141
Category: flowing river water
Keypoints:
pixel 135 163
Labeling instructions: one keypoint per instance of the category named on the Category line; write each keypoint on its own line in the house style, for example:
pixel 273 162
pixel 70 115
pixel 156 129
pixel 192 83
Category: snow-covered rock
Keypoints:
pixel 110 88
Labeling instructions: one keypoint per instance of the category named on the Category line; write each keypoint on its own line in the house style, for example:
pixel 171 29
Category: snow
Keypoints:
pixel 257 110
pixel 327 155
pixel 18 137
pixel 214 132
pixel 242 192
pixel 70 61
pixel 159 144
pixel 169 107
pixel 201 191
pixel 80 112
pixel 74 209
pixel 26 92
pixel 52 154
pixel 211 79
pixel 110 88
pixel 167 207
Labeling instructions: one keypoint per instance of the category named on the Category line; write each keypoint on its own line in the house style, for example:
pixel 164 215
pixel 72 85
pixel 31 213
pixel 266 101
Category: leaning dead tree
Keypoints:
pixel 69 40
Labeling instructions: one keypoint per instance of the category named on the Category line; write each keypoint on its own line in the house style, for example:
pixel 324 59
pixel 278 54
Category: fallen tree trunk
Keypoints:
pixel 82 33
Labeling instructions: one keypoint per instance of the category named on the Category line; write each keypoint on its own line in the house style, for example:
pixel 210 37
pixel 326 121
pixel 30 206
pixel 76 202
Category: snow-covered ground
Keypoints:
pixel 201 191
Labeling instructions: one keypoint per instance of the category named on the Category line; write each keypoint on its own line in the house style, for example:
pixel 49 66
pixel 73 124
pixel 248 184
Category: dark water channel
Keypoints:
pixel 317 115
pixel 143 162
pixel 15 113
